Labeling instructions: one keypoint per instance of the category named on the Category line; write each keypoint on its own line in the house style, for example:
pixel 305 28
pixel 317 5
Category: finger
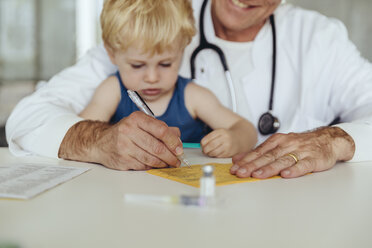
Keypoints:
pixel 209 137
pixel 127 163
pixel 211 145
pixel 139 160
pixel 161 131
pixel 217 151
pixel 270 144
pixel 147 159
pixel 148 145
pixel 275 167
pixel 245 169
pixel 220 152
pixel 137 165
pixel 303 167
pixel 176 131
pixel 239 157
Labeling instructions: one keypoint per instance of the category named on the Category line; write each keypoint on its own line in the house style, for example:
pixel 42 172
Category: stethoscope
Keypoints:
pixel 267 123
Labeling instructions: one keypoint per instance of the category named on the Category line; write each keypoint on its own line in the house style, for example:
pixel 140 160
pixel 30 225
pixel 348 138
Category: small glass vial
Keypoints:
pixel 207 182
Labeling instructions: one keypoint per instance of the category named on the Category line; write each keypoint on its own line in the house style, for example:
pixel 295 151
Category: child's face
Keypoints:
pixel 152 76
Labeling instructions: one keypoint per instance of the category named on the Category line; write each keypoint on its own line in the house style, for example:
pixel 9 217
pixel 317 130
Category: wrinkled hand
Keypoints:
pixel 137 142
pixel 218 143
pixel 317 150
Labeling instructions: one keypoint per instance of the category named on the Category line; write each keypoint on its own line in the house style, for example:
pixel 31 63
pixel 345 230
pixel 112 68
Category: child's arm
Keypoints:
pixel 104 102
pixel 231 133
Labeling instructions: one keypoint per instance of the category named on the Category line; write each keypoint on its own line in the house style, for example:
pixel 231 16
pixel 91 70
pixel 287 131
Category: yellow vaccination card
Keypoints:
pixel 191 175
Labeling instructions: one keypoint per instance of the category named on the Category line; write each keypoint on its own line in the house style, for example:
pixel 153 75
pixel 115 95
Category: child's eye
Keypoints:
pixel 136 66
pixel 166 64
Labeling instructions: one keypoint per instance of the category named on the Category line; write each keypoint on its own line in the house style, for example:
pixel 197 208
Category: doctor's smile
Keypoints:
pixel 242 4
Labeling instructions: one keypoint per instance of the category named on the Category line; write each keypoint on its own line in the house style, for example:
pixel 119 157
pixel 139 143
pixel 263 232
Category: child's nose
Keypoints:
pixel 152 75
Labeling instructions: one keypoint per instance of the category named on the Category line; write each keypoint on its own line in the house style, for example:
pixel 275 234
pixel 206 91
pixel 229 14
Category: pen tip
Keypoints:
pixel 186 162
pixel 183 161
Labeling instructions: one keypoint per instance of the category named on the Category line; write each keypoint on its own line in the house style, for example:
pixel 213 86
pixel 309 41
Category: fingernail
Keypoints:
pixel 258 172
pixel 179 150
pixel 234 168
pixel 286 173
pixel 242 171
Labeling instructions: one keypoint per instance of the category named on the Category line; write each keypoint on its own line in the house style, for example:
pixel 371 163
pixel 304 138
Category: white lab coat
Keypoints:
pixel 320 75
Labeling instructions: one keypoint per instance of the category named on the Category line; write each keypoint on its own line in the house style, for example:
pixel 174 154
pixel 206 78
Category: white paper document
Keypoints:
pixel 27 180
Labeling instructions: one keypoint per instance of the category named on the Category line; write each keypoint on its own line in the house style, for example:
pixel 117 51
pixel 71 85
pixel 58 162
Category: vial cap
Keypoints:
pixel 208 170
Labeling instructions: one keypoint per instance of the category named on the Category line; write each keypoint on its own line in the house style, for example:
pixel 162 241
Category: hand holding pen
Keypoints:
pixel 141 104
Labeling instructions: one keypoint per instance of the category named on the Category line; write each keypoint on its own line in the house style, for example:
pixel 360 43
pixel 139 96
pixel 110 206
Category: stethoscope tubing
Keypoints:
pixel 204 44
pixel 231 89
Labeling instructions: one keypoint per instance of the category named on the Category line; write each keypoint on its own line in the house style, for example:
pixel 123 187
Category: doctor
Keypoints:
pixel 298 73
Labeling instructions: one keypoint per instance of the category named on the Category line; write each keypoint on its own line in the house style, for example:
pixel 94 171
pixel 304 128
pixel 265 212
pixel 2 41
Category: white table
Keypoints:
pixel 328 209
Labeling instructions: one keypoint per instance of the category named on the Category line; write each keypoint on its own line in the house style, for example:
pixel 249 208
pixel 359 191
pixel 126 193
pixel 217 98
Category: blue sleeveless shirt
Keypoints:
pixel 176 115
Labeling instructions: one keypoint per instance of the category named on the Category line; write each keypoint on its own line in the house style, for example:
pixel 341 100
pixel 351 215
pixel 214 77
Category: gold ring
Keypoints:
pixel 294 156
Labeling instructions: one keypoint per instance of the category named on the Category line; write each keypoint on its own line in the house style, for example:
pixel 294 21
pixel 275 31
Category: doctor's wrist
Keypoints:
pixel 342 143
pixel 81 141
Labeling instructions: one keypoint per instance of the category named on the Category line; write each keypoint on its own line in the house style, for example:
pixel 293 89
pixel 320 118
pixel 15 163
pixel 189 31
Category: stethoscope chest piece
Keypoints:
pixel 268 124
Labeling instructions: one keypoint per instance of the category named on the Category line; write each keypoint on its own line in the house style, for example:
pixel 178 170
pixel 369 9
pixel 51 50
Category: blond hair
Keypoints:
pixel 154 25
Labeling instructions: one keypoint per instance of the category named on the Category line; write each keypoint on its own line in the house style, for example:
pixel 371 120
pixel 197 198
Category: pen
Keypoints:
pixel 141 104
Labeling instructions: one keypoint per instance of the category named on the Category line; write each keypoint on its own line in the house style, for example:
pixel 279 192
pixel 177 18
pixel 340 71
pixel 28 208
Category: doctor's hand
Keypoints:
pixel 137 142
pixel 295 154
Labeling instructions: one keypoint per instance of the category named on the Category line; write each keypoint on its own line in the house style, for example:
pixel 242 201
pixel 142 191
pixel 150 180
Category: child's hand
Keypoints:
pixel 218 143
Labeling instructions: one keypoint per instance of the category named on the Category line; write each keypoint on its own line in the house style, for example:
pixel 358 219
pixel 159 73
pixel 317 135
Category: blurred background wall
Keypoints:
pixel 39 38
pixel 355 14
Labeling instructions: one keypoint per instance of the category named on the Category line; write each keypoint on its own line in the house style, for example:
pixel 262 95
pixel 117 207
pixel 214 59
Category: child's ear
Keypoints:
pixel 110 53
